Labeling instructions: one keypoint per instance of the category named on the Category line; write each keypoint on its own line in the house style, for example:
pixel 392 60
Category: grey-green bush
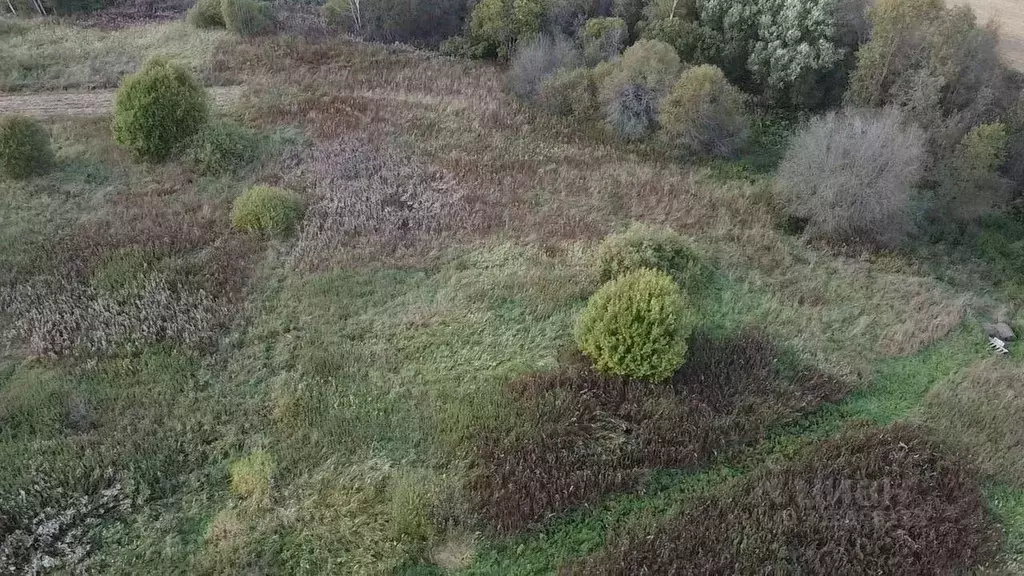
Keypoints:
pixel 246 17
pixel 705 113
pixel 538 60
pixel 158 110
pixel 850 175
pixel 25 148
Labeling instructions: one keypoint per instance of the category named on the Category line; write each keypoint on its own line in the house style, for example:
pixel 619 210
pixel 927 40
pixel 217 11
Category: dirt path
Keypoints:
pixel 93 103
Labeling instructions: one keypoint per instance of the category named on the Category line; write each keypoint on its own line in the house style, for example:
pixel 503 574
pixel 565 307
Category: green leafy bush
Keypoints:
pixel 971 186
pixel 705 113
pixel 496 25
pixel 24 147
pixel 603 39
pixel 223 147
pixel 569 93
pixel 683 35
pixel 266 209
pixel 652 247
pixel 246 17
pixel 206 14
pixel 636 326
pixel 158 110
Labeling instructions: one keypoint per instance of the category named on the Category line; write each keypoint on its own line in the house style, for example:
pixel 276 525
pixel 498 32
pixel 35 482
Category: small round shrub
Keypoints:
pixel 224 147
pixel 569 93
pixel 653 247
pixel 538 60
pixel 158 110
pixel 705 113
pixel 603 39
pixel 636 326
pixel 25 149
pixel 206 14
pixel 245 17
pixel 266 209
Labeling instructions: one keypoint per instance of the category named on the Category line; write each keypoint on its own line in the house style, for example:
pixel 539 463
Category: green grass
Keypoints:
pixel 50 55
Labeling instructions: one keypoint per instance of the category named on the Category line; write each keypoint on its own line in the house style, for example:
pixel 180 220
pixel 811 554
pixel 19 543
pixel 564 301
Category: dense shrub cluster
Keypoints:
pixel 25 148
pixel 536 61
pixel 705 113
pixel 636 326
pixel 590 435
pixel 653 247
pixel 630 88
pixel 419 22
pixel 206 14
pixel 872 501
pixel 849 177
pixel 603 39
pixel 971 186
pixel 158 110
pixel 266 209
pixel 786 51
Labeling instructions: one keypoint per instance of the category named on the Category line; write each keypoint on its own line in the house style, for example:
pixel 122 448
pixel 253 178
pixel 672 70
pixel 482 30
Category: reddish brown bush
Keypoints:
pixel 872 501
pixel 589 435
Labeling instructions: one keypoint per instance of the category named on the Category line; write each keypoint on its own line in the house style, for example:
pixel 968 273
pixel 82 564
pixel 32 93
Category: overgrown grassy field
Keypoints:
pixel 374 393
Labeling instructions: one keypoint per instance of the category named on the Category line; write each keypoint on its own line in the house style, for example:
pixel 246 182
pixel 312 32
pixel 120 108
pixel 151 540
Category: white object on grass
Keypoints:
pixel 997 345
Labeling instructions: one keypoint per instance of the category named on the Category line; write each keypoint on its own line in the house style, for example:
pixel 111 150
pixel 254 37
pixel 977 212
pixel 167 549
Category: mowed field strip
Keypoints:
pixel 1009 15
pixel 91 103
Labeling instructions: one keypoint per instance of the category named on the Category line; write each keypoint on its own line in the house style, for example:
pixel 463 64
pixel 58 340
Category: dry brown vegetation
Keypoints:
pixel 871 501
pixel 594 434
